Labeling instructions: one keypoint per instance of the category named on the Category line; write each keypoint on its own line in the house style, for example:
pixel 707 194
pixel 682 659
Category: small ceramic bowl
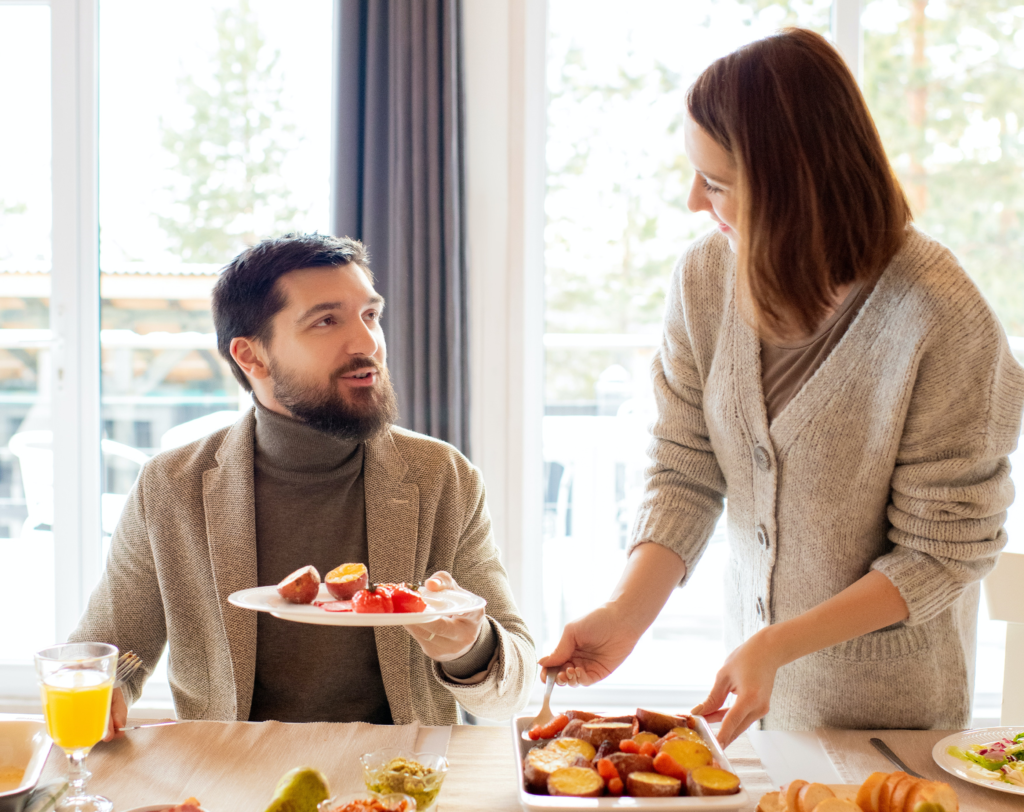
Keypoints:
pixel 392 801
pixel 24 745
pixel 423 789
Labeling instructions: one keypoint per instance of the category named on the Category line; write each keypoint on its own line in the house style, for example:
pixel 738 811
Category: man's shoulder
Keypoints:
pixel 427 457
pixel 187 461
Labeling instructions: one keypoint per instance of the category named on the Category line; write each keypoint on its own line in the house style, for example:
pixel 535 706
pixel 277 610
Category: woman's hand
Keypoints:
pixel 591 648
pixel 749 672
pixel 447 638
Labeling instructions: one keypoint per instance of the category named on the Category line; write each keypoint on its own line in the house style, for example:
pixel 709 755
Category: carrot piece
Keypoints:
pixel 606 769
pixel 666 765
pixel 648 749
pixel 615 786
pixel 629 746
pixel 549 730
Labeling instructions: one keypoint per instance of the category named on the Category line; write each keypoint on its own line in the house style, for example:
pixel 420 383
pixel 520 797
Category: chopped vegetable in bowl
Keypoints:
pixel 1001 760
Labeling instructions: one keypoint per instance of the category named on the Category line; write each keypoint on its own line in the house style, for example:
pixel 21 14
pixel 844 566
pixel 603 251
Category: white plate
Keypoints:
pixel 439 604
pixel 958 767
pixel 548 803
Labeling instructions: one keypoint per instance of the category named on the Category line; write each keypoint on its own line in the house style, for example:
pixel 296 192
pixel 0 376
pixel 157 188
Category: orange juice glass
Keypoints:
pixel 76 681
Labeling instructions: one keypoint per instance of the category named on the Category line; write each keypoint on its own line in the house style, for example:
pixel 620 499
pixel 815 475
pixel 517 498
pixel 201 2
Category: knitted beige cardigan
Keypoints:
pixel 892 457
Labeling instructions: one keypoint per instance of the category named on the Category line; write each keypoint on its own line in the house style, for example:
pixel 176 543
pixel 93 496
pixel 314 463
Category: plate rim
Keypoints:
pixel 352 619
pixel 939 749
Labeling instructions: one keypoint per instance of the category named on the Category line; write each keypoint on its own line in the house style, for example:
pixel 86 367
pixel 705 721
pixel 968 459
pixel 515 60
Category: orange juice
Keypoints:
pixel 77 703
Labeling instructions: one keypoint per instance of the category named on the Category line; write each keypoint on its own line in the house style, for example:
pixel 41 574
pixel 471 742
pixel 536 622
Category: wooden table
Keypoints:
pixel 483 773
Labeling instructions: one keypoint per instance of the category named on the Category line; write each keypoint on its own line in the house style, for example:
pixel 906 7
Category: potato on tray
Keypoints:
pixel 645 755
pixel 880 792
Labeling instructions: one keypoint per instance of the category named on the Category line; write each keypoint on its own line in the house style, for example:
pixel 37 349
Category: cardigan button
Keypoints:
pixel 764 462
pixel 762 536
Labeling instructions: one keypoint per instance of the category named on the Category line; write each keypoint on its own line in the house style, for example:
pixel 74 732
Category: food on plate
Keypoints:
pixel 10 778
pixel 301 586
pixel 677 757
pixel 335 606
pixel 601 730
pixel 345 581
pixel 375 599
pixel 811 795
pixel 626 763
pixel 550 729
pixel 669 761
pixel 409 777
pixel 652 785
pixel 660 723
pixel 709 781
pixel 1001 760
pixel 406 599
pixel 188 805
pixel 544 759
pixel 572 729
pixel 299 790
pixel 583 716
pixel 837 805
pixel 370 803
pixel 576 782
pixel 880 792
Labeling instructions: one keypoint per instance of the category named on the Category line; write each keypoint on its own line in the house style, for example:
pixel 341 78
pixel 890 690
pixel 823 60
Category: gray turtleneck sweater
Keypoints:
pixel 310 509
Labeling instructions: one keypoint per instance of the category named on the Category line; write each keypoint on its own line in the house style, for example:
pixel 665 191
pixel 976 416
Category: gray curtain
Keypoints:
pixel 399 189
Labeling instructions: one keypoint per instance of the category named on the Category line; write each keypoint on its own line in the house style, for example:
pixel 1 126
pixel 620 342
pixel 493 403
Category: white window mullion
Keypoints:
pixel 74 310
pixel 848 35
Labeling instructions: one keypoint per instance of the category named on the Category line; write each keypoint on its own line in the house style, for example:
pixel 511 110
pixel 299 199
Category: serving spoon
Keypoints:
pixel 545 714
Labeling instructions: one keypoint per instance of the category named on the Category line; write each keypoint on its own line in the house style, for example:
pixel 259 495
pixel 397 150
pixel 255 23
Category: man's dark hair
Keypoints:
pixel 246 297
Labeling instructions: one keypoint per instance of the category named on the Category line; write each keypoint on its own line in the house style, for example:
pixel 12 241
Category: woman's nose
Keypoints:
pixel 697 200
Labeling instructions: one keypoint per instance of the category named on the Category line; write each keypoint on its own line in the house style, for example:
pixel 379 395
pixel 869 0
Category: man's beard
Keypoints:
pixel 364 413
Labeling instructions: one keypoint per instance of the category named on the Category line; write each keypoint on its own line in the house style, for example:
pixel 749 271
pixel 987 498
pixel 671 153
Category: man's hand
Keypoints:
pixel 591 648
pixel 118 716
pixel 447 638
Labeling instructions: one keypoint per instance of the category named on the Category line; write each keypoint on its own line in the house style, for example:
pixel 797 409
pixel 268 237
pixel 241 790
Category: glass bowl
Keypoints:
pixel 390 801
pixel 384 772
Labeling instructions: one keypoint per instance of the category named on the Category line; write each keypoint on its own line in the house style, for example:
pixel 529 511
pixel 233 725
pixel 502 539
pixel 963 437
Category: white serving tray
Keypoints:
pixel 544 803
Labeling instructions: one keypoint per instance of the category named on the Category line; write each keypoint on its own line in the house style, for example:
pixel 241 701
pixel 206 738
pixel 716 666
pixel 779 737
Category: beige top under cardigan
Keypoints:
pixel 892 457
pixel 187 539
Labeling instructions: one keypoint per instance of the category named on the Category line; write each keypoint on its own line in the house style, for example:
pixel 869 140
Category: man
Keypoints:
pixel 315 473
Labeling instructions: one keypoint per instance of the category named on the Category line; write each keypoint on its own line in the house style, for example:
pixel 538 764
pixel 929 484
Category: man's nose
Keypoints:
pixel 362 338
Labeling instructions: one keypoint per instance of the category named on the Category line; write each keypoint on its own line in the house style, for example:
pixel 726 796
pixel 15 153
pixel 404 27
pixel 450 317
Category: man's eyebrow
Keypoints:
pixel 377 300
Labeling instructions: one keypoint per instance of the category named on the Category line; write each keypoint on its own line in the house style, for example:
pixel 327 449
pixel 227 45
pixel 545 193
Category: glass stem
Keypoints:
pixel 78 775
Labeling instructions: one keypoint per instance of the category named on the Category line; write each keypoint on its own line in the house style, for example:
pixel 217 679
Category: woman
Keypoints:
pixel 836 373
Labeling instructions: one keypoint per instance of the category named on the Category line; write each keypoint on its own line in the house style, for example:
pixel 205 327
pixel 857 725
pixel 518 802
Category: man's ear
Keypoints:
pixel 250 356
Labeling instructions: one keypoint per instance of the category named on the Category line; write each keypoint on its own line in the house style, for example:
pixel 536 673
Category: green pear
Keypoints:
pixel 299 790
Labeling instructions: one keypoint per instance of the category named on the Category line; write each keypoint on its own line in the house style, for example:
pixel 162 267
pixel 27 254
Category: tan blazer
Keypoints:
pixel 187 540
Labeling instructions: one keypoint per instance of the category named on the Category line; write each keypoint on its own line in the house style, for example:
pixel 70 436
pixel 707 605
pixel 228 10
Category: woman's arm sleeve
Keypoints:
pixel 951 483
pixel 684 486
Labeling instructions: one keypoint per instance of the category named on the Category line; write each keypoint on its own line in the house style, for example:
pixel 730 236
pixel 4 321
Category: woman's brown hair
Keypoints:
pixel 820 205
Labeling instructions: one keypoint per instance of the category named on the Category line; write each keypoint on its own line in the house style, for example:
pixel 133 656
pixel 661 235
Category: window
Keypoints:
pixel 26 453
pixel 942 80
pixel 211 136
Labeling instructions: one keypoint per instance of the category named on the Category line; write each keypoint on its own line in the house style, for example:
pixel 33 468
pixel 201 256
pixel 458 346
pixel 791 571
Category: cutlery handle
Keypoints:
pixel 883 748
